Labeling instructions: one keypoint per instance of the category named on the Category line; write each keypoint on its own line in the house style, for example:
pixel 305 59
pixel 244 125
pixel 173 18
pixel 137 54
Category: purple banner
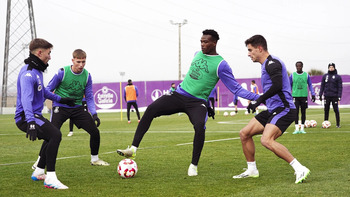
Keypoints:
pixel 107 96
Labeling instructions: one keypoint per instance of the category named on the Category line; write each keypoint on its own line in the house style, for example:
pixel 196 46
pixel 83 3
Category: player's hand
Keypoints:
pixel 211 112
pixel 98 122
pixel 32 130
pixel 320 98
pixel 253 105
pixel 68 101
pixel 313 98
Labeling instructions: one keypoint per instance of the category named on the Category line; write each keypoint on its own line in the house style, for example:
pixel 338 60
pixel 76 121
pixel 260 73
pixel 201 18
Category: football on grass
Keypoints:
pixel 307 123
pixel 313 123
pixel 127 168
pixel 326 124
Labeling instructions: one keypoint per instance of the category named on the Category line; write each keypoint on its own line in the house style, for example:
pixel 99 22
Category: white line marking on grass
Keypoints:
pixel 236 138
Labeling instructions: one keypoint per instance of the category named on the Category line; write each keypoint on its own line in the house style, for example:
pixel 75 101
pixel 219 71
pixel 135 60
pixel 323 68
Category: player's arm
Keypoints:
pixel 124 93
pixel 89 96
pixel 56 80
pixel 27 95
pixel 291 81
pixel 226 76
pixel 340 87
pixel 275 72
pixel 309 83
pixel 137 92
pixel 322 86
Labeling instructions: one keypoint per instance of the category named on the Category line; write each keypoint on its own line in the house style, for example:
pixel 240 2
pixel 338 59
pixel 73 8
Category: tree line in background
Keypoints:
pixel 312 72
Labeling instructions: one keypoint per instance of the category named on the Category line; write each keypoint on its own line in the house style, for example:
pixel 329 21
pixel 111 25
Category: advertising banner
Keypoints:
pixel 109 96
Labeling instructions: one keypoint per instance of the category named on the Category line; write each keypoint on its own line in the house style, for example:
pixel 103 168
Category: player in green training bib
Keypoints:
pixel 191 97
pixel 299 81
pixel 75 81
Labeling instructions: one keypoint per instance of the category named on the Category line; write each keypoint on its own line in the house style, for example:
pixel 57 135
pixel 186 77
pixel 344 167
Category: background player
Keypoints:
pixel 299 81
pixel 332 88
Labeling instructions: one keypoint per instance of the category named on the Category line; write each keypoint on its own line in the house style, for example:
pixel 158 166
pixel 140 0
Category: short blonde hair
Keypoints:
pixel 79 53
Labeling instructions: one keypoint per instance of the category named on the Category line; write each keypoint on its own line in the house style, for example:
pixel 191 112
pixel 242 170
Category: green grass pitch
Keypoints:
pixel 165 154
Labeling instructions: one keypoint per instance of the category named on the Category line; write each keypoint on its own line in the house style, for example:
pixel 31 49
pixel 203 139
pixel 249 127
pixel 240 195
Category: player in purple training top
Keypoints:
pixel 31 95
pixel 279 115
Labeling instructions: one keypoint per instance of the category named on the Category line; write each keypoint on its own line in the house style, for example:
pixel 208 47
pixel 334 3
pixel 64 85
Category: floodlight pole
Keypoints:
pixel 179 26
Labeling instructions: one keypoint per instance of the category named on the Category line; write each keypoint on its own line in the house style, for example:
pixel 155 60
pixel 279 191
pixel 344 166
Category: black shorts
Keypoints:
pixel 281 117
pixel 80 117
pixel 300 102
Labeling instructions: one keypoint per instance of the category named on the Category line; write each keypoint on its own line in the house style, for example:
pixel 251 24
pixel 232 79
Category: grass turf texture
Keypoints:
pixel 165 154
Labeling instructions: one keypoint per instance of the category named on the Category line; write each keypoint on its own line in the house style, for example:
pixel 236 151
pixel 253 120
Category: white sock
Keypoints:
pixel 94 158
pixel 297 127
pixel 51 176
pixel 193 166
pixel 302 127
pixel 296 165
pixel 38 159
pixel 134 148
pixel 38 171
pixel 251 165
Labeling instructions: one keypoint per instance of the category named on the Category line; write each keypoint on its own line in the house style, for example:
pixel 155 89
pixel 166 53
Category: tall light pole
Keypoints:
pixel 184 22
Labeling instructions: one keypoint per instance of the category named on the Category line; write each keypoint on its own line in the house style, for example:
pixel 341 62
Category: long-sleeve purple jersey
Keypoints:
pixel 31 94
pixel 274 67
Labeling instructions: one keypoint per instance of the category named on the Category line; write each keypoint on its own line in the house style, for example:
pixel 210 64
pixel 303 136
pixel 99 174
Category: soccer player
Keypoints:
pixel 130 96
pixel 299 81
pixel 253 88
pixel 279 115
pixel 191 97
pixel 332 87
pixel 172 88
pixel 75 81
pixel 31 95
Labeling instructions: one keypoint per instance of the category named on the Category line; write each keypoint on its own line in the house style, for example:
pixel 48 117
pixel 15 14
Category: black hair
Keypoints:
pixel 331 64
pixel 257 40
pixel 299 62
pixel 213 34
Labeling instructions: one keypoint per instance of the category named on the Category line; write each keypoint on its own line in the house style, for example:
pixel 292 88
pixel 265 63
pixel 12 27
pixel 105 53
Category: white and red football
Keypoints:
pixel 326 124
pixel 127 168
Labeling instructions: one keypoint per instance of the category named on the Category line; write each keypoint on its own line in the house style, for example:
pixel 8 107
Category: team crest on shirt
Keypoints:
pixel 56 110
pixel 197 67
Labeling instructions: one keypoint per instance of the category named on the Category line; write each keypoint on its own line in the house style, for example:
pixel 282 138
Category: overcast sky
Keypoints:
pixel 136 37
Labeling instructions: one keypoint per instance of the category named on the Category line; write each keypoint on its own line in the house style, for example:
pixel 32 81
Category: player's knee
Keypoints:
pixel 199 126
pixel 265 142
pixel 94 133
pixel 244 134
pixel 57 137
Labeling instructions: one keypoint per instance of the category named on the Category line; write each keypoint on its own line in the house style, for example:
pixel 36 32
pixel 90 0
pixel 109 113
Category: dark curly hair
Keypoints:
pixel 213 34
